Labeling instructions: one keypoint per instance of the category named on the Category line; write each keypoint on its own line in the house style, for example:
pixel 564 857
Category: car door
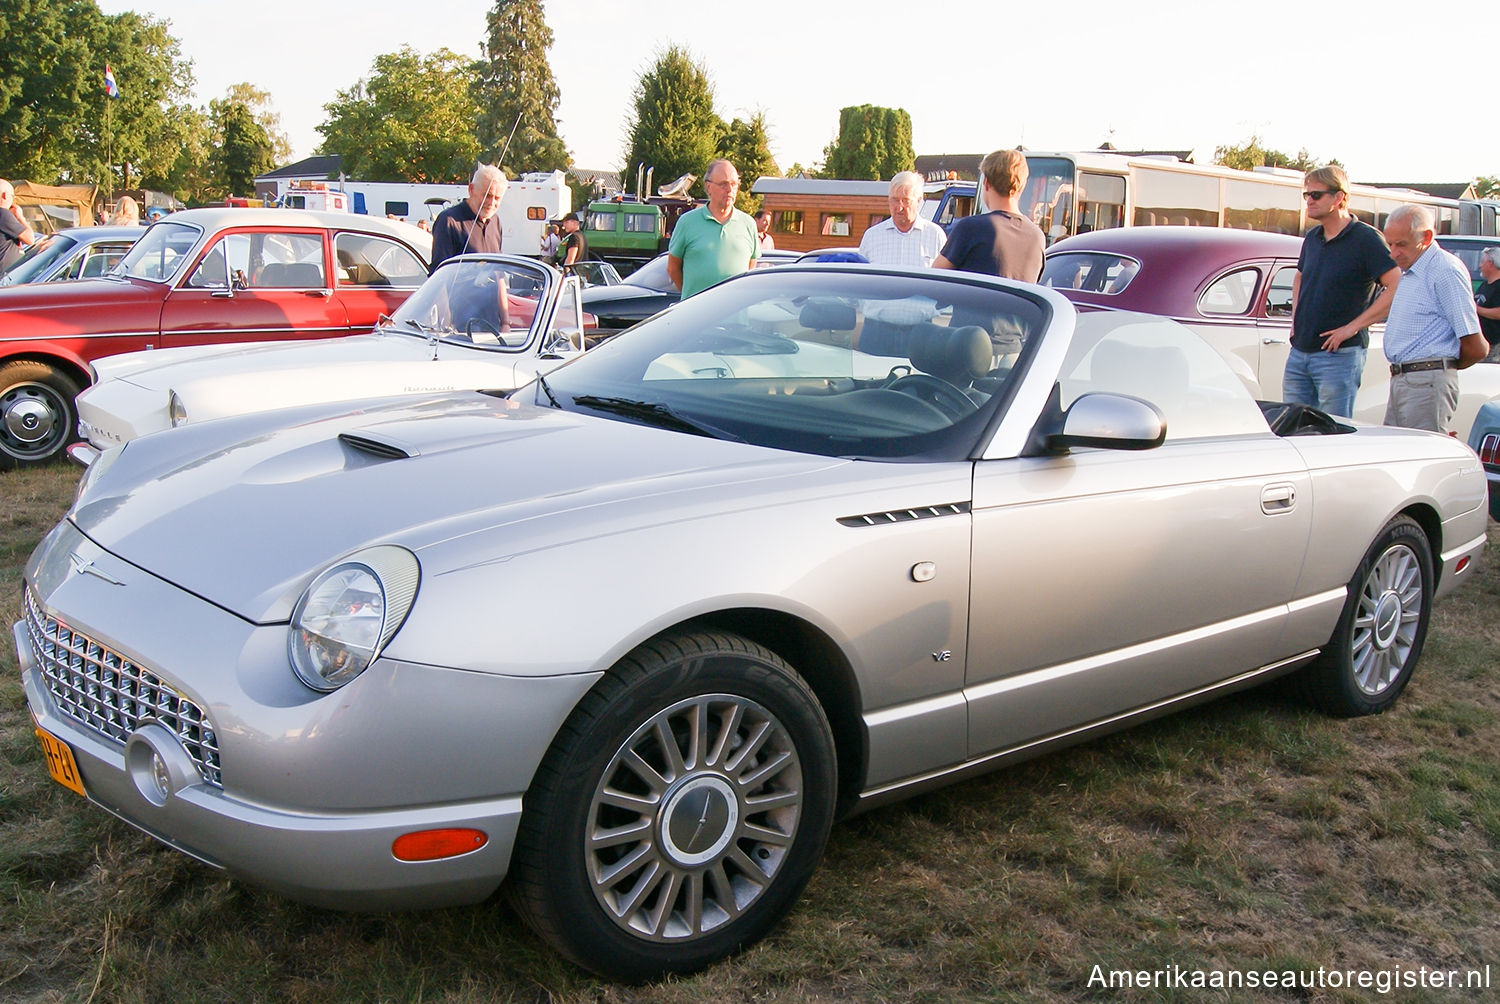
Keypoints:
pixel 1226 314
pixel 1107 581
pixel 256 284
pixel 1274 322
pixel 373 276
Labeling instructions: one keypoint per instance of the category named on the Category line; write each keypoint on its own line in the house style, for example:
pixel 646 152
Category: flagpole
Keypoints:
pixel 109 167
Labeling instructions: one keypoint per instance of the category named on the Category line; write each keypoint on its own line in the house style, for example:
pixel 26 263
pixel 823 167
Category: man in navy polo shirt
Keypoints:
pixel 1345 281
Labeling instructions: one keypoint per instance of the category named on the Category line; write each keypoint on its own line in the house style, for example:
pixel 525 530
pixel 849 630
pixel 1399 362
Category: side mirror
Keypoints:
pixel 1111 422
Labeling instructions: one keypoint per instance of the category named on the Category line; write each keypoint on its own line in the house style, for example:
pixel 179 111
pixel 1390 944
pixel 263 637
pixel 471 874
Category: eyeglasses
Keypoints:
pixel 735 183
pixel 1315 196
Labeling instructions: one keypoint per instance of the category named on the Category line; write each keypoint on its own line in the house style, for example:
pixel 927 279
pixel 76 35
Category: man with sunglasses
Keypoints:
pixel 1346 279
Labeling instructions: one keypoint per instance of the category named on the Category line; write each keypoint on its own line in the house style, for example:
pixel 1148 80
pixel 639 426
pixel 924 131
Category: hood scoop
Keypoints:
pixel 382 446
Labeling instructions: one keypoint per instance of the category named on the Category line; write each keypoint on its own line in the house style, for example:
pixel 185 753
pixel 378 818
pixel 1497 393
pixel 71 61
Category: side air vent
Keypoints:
pixel 385 449
pixel 905 515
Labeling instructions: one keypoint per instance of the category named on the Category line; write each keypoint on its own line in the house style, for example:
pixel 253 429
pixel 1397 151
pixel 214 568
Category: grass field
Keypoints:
pixel 1252 834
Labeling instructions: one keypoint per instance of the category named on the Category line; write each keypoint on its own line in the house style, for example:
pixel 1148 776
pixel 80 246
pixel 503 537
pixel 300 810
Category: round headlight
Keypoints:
pixel 176 410
pixel 349 612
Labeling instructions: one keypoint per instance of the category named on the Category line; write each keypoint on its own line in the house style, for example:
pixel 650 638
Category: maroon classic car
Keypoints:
pixel 196 277
pixel 1234 287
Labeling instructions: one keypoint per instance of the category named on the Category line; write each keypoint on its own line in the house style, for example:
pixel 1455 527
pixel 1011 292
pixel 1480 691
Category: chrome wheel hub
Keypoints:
pixel 27 417
pixel 699 820
pixel 693 817
pixel 1386 622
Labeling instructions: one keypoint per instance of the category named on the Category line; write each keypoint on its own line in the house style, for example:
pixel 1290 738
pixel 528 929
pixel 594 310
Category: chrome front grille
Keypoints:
pixel 112 696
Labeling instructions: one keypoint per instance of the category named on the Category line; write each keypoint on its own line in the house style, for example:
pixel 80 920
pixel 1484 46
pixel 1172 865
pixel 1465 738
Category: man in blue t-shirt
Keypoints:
pixel 1345 280
pixel 714 241
pixel 1001 240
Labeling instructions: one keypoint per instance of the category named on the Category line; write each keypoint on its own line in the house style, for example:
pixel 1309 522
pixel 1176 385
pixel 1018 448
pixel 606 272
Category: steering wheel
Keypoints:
pixel 939 393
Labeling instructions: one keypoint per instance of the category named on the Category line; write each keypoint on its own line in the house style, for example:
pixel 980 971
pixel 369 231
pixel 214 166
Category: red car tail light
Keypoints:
pixel 1489 449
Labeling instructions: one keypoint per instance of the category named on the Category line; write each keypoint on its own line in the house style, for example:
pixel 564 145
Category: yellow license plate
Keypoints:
pixel 60 762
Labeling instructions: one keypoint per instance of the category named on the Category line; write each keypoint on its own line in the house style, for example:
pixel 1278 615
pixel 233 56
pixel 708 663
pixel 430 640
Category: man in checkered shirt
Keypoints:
pixel 1433 329
pixel 906 239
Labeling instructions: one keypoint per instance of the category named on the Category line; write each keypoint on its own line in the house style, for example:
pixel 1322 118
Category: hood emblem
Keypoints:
pixel 86 566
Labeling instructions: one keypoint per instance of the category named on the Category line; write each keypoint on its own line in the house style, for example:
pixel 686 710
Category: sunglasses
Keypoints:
pixel 1315 196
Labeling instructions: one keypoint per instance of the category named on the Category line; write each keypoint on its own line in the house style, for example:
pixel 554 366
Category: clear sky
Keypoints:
pixel 1157 74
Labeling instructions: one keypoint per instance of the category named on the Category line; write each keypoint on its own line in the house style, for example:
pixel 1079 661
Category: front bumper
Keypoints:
pixel 314 787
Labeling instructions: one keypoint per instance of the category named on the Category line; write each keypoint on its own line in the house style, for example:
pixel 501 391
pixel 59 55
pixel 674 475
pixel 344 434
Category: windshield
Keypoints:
pixel 38 259
pixel 653 275
pixel 160 253
pixel 1048 195
pixel 1089 271
pixel 479 302
pixel 818 359
pixel 1161 361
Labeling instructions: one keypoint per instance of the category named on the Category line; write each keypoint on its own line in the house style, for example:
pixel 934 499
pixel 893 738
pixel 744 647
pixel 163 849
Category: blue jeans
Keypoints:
pixel 1324 380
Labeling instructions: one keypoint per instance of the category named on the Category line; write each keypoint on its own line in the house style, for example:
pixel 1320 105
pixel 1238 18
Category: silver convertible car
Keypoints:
pixel 630 639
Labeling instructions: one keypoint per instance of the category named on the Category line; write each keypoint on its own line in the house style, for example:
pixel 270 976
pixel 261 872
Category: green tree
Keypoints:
pixel 1487 187
pixel 242 151
pixel 675 129
pixel 190 176
pixel 747 145
pixel 1253 153
pixel 259 103
pixel 873 144
pixel 58 122
pixel 515 94
pixel 411 120
pixel 45 81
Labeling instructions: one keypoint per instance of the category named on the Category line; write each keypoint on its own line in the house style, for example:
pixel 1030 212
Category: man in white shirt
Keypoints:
pixel 906 239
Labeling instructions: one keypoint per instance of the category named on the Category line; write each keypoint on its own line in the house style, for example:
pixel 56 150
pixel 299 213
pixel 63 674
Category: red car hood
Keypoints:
pixel 87 305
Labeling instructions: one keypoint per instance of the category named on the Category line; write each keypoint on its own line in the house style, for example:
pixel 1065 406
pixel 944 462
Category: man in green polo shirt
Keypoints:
pixel 714 241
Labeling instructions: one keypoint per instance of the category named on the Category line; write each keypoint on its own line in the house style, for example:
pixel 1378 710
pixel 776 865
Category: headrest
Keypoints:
pixel 827 315
pixel 958 355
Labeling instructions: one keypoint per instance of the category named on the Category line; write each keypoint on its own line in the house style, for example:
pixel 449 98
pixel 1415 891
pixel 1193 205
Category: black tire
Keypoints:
pixel 700 854
pixel 38 418
pixel 1380 633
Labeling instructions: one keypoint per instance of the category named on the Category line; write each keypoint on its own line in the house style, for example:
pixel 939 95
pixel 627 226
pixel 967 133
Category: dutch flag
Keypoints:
pixel 110 88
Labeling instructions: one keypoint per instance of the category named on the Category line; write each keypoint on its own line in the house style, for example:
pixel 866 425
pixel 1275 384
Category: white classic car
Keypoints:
pixel 481 322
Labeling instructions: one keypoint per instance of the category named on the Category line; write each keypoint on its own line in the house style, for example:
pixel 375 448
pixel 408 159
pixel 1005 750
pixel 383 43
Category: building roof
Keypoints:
pixel 1441 189
pixel 818 186
pixel 307 167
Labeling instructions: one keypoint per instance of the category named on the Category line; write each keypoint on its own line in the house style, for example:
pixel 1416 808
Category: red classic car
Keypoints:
pixel 197 277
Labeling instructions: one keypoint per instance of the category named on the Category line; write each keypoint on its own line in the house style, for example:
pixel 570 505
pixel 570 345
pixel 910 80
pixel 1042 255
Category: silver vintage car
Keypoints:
pixel 630 639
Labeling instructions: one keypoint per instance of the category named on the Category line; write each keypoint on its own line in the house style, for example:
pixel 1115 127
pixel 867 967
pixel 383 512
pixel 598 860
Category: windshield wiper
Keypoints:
pixel 542 382
pixel 653 413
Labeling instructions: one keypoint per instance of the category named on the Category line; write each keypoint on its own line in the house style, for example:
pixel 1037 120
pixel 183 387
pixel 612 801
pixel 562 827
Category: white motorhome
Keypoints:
pixel 530 202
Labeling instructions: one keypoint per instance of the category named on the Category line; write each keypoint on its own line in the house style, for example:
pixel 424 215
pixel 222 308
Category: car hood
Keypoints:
pixel 268 502
pixel 218 380
pixel 81 298
pixel 598 296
